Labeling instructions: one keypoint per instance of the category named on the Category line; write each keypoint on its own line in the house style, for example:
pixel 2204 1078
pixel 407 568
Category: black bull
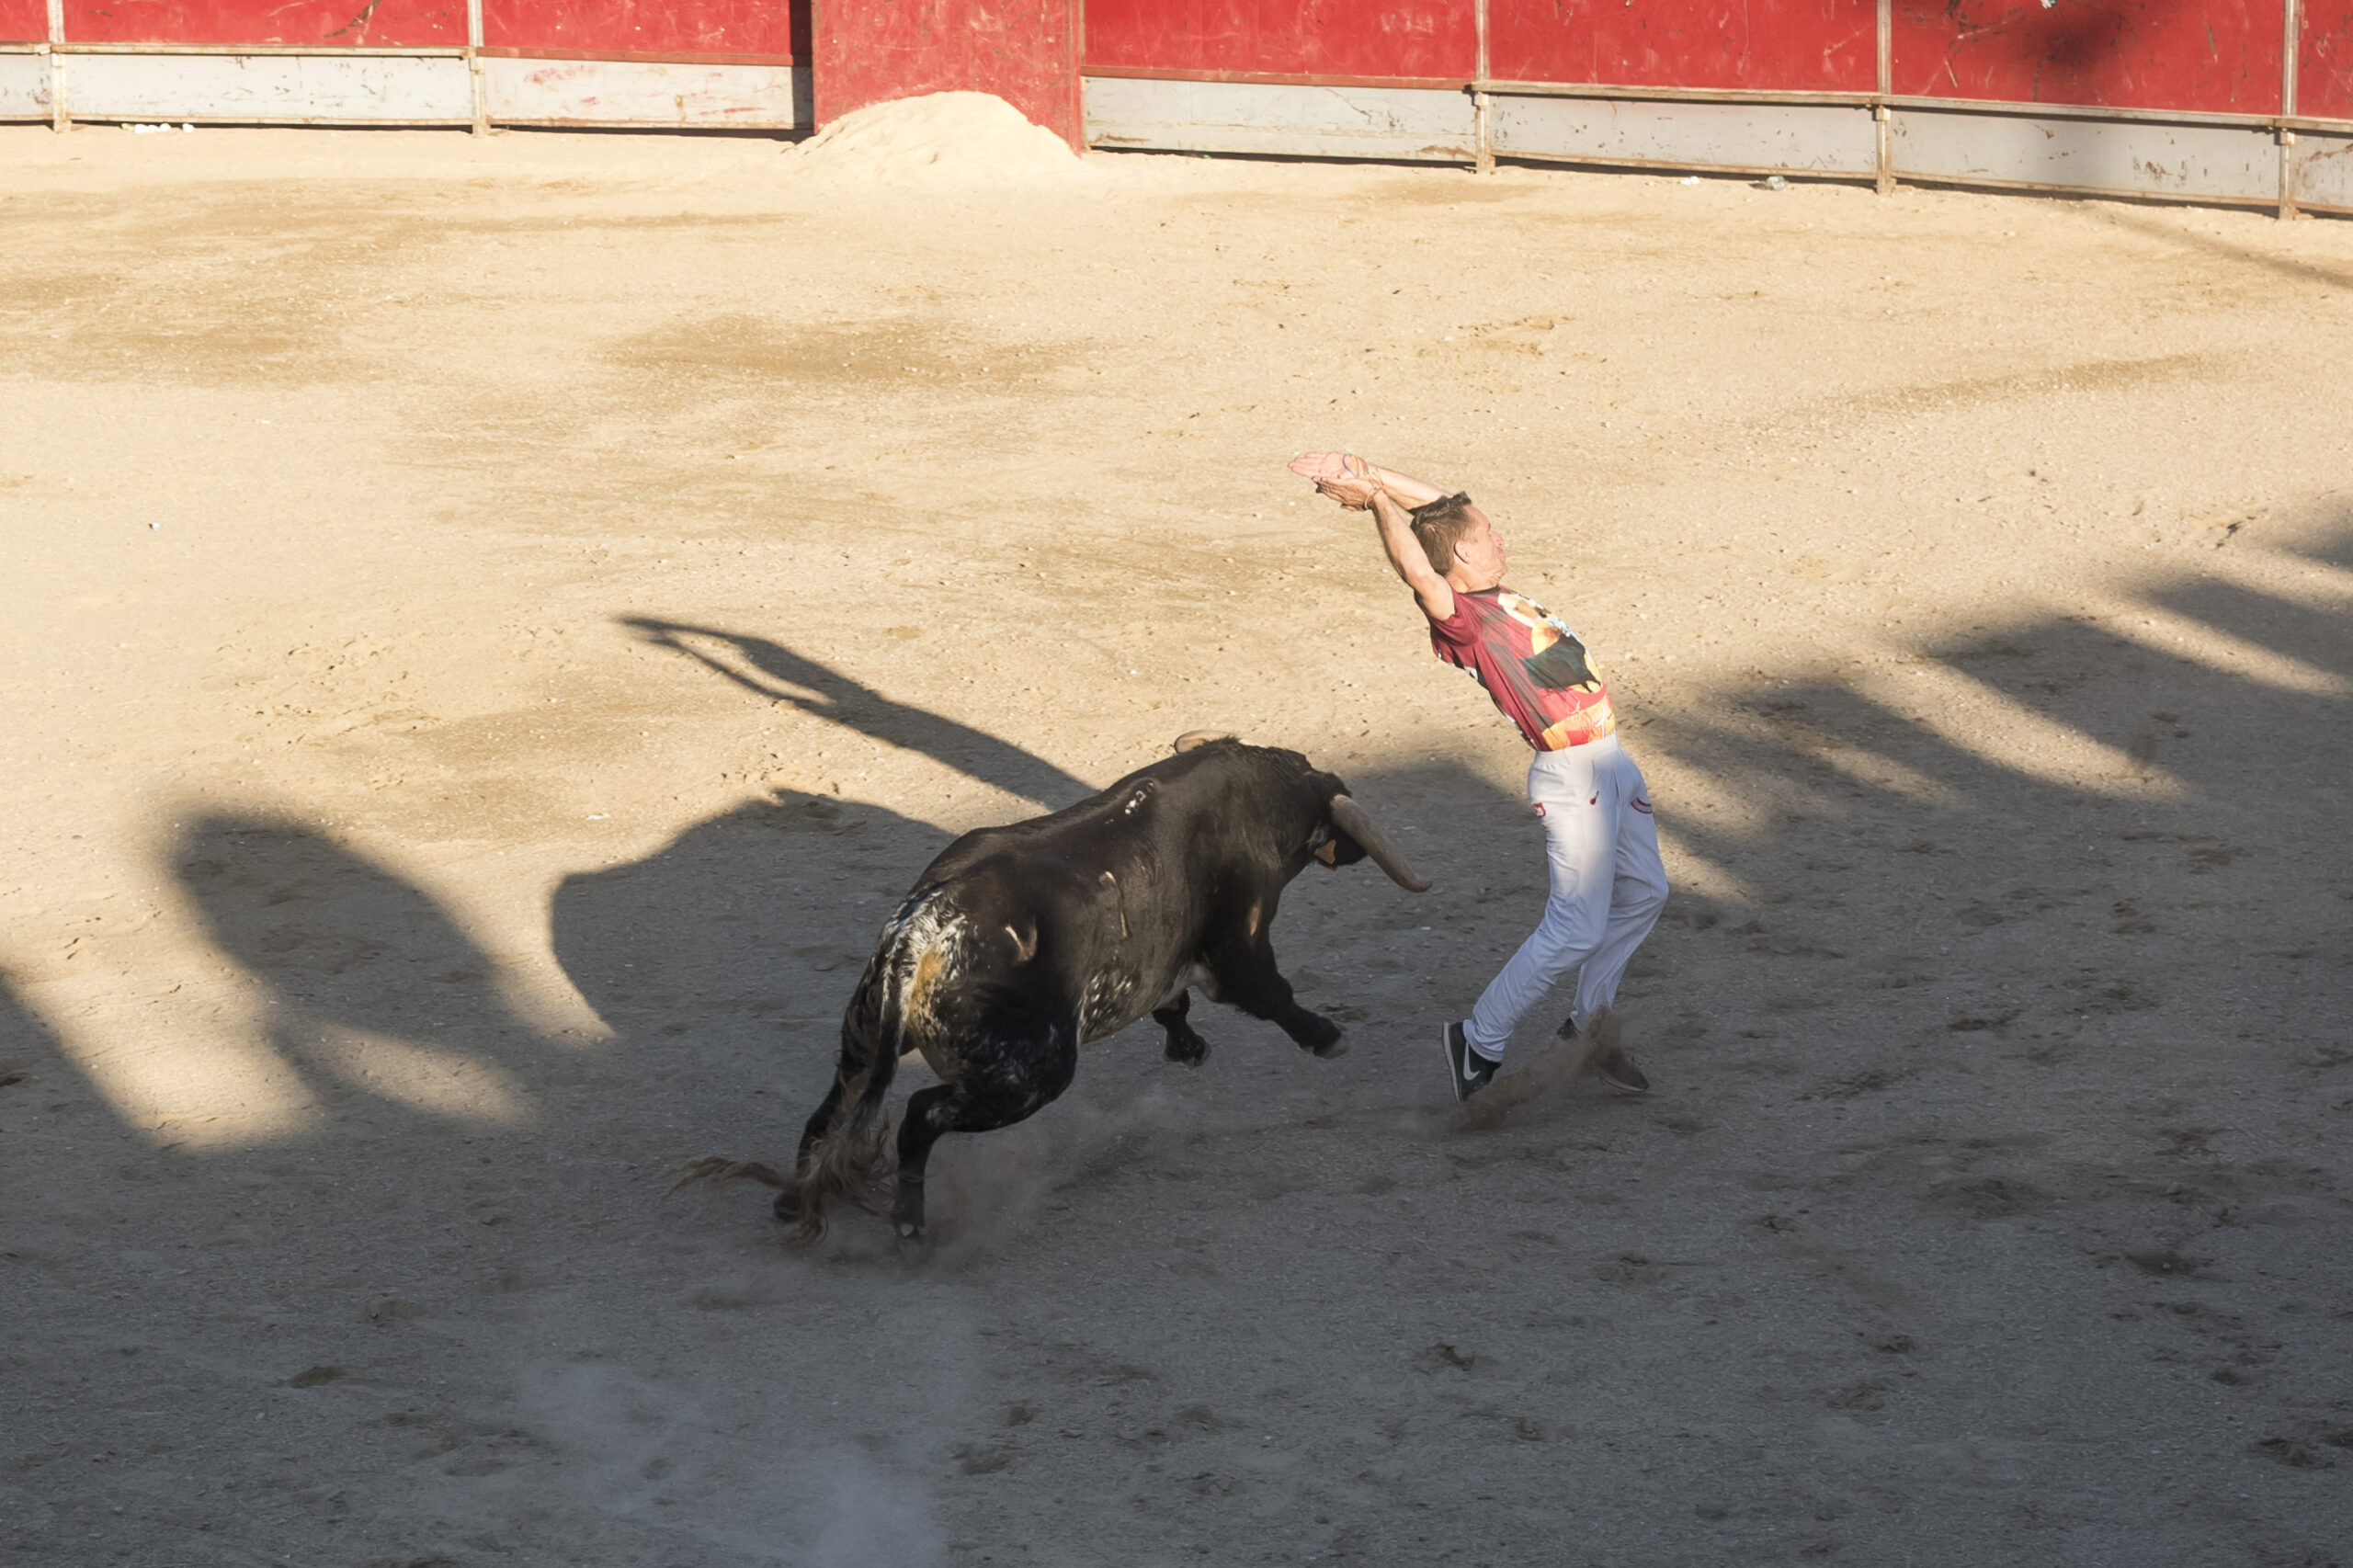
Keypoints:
pixel 1021 943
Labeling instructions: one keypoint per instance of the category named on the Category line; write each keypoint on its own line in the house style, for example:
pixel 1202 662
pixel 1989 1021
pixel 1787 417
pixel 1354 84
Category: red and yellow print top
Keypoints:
pixel 1530 664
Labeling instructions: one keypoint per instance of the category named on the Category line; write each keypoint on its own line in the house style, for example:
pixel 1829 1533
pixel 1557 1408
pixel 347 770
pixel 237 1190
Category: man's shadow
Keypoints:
pixel 775 672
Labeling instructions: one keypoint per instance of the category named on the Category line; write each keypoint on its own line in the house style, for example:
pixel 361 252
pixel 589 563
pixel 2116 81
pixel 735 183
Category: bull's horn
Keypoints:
pixel 1192 738
pixel 1356 823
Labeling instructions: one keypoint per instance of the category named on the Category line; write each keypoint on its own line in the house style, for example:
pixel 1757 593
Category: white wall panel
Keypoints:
pixel 24 86
pixel 2129 157
pixel 1819 139
pixel 277 89
pixel 609 92
pixel 1401 123
pixel 2323 165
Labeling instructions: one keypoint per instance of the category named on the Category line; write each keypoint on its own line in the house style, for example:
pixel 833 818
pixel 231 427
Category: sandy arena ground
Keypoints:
pixel 488 628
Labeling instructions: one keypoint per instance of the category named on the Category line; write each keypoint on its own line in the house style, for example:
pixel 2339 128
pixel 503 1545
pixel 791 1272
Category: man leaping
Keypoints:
pixel 1607 883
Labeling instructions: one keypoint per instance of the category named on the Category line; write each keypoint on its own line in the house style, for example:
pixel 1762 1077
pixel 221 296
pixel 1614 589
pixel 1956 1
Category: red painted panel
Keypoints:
pixel 2215 56
pixel 1814 46
pixel 773 30
pixel 23 21
pixel 1430 39
pixel 2325 65
pixel 338 24
pixel 869 51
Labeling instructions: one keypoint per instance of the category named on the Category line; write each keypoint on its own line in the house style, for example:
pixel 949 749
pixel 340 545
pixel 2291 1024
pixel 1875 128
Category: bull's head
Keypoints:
pixel 1354 836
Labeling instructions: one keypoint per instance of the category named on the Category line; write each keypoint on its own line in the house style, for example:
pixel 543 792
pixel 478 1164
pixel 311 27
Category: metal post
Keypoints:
pixel 1483 157
pixel 1882 127
pixel 2293 37
pixel 59 120
pixel 1074 35
pixel 474 68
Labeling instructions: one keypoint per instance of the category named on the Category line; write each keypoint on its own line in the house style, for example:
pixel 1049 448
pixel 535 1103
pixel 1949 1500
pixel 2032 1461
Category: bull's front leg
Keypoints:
pixel 1184 1044
pixel 1246 977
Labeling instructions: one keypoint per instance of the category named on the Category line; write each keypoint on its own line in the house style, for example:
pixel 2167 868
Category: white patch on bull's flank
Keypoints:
pixel 1106 1005
pixel 929 940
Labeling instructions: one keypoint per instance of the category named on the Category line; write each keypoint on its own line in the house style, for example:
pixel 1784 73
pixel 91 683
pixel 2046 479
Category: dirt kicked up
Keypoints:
pixel 489 628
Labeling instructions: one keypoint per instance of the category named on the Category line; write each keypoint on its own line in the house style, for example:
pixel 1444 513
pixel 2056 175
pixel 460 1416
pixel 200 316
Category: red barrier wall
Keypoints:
pixel 2324 65
pixel 338 24
pixel 767 32
pixel 1385 40
pixel 23 21
pixel 1818 46
pixel 1025 52
pixel 2220 56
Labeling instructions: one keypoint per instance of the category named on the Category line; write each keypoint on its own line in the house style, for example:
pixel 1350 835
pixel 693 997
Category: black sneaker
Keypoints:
pixel 1465 1068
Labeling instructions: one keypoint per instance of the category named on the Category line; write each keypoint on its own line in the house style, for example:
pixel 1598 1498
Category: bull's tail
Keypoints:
pixel 845 1149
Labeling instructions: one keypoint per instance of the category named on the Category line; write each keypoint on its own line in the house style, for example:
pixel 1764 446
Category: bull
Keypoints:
pixel 1021 943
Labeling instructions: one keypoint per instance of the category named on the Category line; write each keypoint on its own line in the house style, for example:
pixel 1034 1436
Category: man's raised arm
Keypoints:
pixel 1359 485
pixel 1411 561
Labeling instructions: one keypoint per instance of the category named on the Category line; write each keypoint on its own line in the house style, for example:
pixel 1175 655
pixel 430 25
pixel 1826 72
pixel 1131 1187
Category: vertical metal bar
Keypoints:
pixel 1483 156
pixel 1882 127
pixel 2292 38
pixel 1075 31
pixel 474 68
pixel 59 120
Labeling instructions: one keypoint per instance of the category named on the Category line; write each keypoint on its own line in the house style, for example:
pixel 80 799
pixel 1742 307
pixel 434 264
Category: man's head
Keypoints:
pixel 1463 546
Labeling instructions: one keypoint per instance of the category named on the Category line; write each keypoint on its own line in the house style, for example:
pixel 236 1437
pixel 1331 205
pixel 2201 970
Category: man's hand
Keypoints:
pixel 1353 480
pixel 1350 480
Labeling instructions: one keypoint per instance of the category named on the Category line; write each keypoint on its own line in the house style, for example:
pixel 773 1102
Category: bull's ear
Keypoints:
pixel 1192 738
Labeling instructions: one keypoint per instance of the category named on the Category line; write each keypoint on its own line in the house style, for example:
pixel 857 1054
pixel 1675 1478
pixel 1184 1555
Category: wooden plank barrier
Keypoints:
pixel 2239 101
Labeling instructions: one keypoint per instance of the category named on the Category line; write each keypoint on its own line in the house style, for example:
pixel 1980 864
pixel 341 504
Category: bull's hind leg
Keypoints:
pixel 1246 978
pixel 1001 1080
pixel 1184 1044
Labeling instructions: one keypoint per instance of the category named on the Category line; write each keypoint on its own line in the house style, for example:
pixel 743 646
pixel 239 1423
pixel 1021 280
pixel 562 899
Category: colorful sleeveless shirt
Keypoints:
pixel 1531 662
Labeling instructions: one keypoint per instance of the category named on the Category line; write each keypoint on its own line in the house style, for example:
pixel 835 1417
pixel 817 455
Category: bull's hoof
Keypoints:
pixel 1190 1050
pixel 906 1209
pixel 788 1206
pixel 1321 1036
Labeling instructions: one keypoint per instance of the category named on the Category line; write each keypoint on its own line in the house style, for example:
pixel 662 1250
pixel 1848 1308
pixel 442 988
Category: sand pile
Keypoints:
pixel 956 137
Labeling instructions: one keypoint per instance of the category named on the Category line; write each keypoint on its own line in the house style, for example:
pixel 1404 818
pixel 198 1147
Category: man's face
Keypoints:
pixel 1481 552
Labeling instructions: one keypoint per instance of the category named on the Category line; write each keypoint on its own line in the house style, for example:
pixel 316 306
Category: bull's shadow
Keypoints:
pixel 723 960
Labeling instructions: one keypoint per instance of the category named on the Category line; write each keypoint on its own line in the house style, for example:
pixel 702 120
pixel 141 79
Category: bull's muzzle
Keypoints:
pixel 1356 823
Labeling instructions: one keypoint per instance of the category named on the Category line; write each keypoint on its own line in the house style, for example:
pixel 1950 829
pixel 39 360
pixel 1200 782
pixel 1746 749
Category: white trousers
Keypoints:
pixel 1607 887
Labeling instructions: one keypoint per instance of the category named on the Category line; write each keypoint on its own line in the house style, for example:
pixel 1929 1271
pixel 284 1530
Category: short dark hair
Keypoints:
pixel 1441 525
